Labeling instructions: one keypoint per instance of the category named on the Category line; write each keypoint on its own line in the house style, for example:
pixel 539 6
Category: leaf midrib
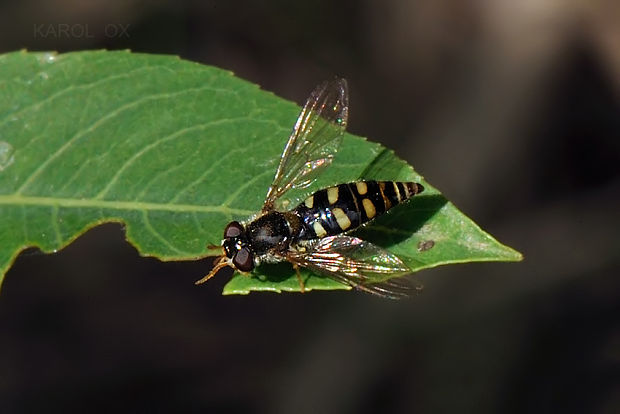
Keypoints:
pixel 21 200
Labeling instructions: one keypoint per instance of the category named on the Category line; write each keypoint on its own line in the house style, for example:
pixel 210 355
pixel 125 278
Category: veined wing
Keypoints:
pixel 357 263
pixel 314 141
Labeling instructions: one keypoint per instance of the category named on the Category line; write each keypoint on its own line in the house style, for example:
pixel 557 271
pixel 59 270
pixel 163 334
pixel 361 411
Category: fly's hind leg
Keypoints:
pixel 302 286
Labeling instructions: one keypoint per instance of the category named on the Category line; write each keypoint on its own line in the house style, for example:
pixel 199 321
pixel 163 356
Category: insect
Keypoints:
pixel 315 234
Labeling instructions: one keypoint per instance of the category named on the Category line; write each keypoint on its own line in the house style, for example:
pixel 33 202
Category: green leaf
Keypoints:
pixel 175 150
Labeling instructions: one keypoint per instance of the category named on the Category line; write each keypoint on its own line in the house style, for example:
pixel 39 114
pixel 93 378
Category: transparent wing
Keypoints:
pixel 314 141
pixel 357 263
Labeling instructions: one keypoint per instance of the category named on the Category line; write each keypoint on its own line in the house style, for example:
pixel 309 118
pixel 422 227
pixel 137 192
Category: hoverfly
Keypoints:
pixel 315 234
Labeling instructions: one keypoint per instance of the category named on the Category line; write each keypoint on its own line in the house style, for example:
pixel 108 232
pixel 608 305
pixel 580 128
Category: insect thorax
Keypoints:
pixel 271 233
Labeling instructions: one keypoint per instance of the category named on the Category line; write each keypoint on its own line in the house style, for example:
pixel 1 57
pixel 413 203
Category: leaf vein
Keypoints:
pixel 84 86
pixel 151 229
pixel 130 161
pixel 20 200
pixel 54 219
pixel 95 125
pixel 213 166
pixel 233 196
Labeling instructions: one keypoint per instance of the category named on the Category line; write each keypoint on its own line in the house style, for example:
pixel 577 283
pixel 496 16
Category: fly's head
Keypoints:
pixel 237 248
pixel 237 252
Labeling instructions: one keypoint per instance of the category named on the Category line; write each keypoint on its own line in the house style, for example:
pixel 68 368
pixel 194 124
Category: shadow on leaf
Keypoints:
pixel 401 222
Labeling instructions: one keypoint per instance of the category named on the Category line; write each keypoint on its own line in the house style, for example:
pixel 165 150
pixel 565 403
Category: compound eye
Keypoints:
pixel 244 260
pixel 234 229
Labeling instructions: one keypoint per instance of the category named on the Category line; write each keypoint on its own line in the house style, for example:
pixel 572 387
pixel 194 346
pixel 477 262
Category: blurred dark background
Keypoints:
pixel 511 108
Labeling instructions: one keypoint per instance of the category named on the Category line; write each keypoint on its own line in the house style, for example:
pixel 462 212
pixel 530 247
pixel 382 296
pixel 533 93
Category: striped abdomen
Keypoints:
pixel 339 209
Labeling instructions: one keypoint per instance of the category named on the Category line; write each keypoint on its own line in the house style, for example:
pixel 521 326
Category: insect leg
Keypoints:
pixel 302 286
pixel 219 263
pixel 214 247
